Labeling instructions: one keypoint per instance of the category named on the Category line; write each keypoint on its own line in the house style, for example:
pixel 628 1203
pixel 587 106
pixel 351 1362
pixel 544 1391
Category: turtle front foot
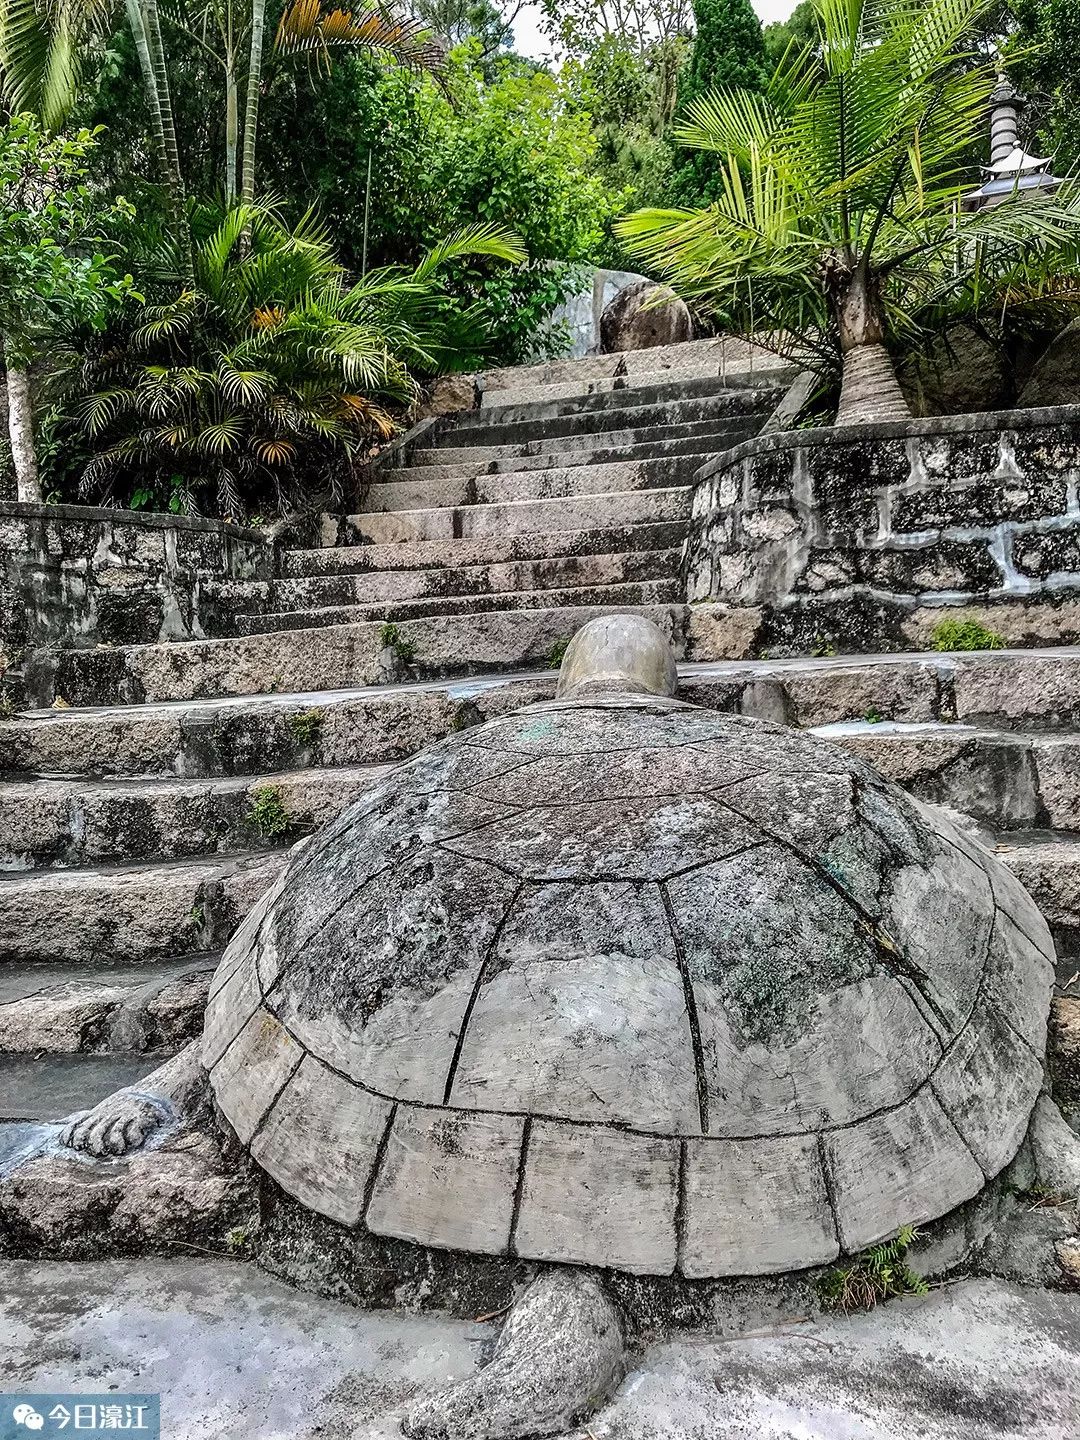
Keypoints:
pixel 121 1123
pixel 560 1352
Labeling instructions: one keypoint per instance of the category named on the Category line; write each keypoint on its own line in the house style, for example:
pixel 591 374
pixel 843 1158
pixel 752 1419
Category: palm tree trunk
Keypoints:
pixel 21 431
pixel 232 127
pixel 146 28
pixel 251 108
pixel 870 390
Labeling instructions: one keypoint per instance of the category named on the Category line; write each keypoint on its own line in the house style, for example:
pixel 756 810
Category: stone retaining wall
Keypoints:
pixel 863 537
pixel 78 576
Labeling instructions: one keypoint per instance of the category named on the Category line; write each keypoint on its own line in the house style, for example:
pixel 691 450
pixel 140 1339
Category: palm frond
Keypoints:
pixel 310 26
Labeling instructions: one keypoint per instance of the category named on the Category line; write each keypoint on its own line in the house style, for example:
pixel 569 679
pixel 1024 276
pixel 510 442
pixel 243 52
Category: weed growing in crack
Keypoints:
pixel 391 638
pixel 557 651
pixel 268 815
pixel 879 1273
pixel 306 728
pixel 951 635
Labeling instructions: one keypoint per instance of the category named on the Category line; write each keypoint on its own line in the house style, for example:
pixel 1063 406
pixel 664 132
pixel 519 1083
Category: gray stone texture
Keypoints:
pixel 644 315
pixel 240 1354
pixel 648 986
pixel 448 1179
pixel 72 575
pixel 866 537
pixel 621 652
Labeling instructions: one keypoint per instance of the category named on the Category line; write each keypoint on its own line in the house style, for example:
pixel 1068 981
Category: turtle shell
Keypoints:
pixel 629 983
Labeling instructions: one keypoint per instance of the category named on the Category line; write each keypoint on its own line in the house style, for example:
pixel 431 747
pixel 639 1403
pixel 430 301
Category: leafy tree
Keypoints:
pixel 795 34
pixel 621 93
pixel 459 22
pixel 728 50
pixel 655 31
pixel 56 264
pixel 512 152
pixel 1049 36
pixel 43 44
pixel 839 218
pixel 269 376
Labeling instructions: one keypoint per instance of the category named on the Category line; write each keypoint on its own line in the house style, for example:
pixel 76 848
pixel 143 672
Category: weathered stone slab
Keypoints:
pixel 632 839
pixel 800 1026
pixel 583 1013
pixel 988 1084
pixel 383 990
pixel 595 1196
pixel 448 1179
pixel 250 1074
pixel 948 895
pixel 230 1007
pixel 129 913
pixel 901 1167
pixel 1020 981
pixel 320 1140
pixel 753 1207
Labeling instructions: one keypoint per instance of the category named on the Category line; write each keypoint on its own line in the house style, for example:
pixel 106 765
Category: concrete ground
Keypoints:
pixel 234 1353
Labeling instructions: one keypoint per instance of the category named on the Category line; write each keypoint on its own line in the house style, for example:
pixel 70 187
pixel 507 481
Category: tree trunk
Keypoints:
pixel 870 389
pixel 21 430
pixel 146 29
pixel 251 109
pixel 232 128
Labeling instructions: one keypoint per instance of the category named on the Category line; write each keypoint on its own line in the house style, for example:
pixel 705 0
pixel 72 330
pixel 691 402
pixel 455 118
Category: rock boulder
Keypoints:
pixel 638 319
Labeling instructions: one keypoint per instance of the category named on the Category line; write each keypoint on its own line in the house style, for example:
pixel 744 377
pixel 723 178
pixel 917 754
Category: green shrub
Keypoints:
pixel 879 1273
pixel 262 384
pixel 306 728
pixel 965 634
pixel 558 650
pixel 391 638
pixel 268 815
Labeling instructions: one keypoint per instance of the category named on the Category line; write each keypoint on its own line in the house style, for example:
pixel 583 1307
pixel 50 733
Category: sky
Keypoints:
pixel 529 41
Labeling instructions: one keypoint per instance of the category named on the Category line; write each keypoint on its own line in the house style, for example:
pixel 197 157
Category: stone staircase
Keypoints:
pixel 138 826
pixel 481 545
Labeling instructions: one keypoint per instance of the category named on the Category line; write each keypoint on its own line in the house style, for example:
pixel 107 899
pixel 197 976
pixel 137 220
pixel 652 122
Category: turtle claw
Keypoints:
pixel 120 1124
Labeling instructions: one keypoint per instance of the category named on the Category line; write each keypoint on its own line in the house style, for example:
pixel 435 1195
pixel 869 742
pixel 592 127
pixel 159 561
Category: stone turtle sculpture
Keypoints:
pixel 615 983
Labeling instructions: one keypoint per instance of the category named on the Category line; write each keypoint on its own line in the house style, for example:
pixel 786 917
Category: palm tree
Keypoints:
pixel 273 369
pixel 839 219
pixel 43 44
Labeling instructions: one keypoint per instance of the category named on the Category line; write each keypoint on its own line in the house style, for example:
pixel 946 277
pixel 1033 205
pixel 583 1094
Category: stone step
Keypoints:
pixel 520 517
pixel 620 595
pixel 126 1009
pixel 613 466
pixel 258 735
pixel 704 437
pixel 1047 864
pixel 614 392
pixel 65 823
pixel 1036 691
pixel 120 914
pixel 496 427
pixel 425 487
pixel 734 359
pixel 343 552
pixel 1002 779
pixel 48 1088
pixel 345 587
pixel 365 653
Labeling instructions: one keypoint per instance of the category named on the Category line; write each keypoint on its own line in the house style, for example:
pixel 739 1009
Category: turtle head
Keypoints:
pixel 618 653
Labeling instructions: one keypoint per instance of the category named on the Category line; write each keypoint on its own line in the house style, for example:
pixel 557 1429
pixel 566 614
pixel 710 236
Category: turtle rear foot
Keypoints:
pixel 560 1352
